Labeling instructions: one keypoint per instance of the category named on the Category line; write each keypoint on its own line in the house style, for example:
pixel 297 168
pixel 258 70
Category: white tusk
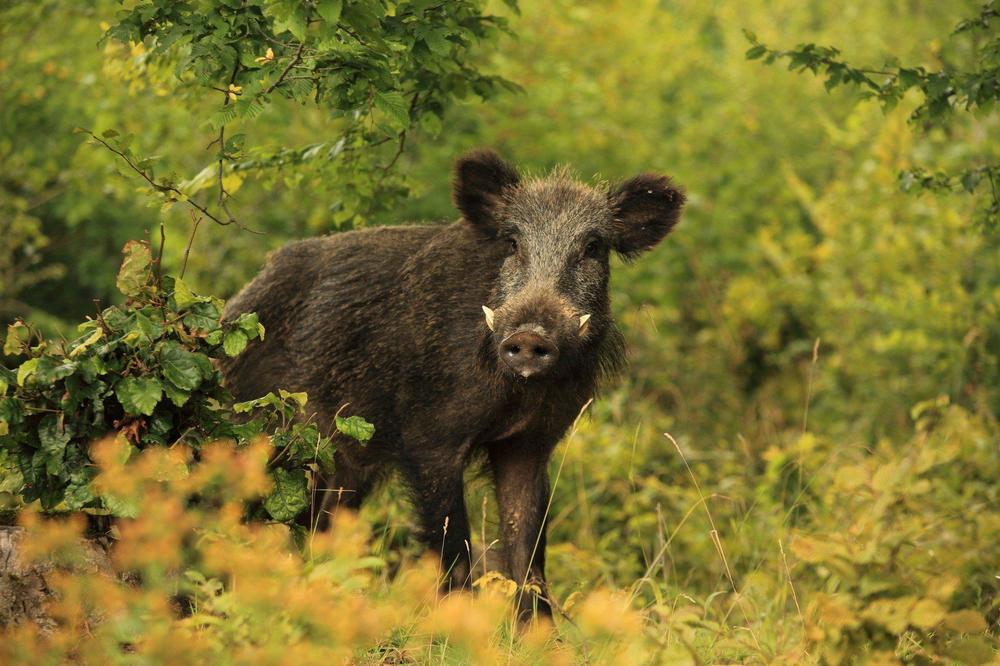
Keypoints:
pixel 489 317
pixel 583 324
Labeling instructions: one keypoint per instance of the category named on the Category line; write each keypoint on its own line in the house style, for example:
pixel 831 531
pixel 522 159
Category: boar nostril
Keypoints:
pixel 529 353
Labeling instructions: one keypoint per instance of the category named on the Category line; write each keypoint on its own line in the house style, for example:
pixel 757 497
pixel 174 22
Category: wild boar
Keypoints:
pixel 484 336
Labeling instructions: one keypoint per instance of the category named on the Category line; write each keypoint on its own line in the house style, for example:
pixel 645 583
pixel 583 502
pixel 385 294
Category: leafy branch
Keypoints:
pixel 942 93
pixel 364 61
pixel 165 187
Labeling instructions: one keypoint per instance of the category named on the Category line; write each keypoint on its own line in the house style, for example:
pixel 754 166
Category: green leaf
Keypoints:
pixel 971 650
pixel 970 180
pixel 202 316
pixel 139 395
pixel 26 369
pixel 53 435
pixel 300 397
pixel 356 427
pixel 121 507
pixel 234 342
pixel 17 335
pixel 330 10
pixel 132 276
pixel 177 396
pixel 249 324
pixel 290 496
pixel 437 42
pixel 183 295
pixel 180 366
pixel 51 369
pixel 393 105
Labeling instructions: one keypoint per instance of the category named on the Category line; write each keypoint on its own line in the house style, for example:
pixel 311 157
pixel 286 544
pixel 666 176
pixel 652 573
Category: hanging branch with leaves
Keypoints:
pixel 943 93
pixel 381 70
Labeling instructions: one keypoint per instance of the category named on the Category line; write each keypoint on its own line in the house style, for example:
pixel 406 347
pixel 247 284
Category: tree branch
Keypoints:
pixel 161 188
pixel 292 63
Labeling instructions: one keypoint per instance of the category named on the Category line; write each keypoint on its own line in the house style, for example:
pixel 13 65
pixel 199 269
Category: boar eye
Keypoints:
pixel 513 245
pixel 592 249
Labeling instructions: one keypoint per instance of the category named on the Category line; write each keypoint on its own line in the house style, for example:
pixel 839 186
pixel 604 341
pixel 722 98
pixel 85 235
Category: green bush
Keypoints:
pixel 145 373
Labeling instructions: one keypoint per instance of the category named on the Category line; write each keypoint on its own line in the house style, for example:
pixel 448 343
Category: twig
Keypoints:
pixel 788 574
pixel 159 187
pixel 195 221
pixel 809 385
pixel 222 142
pixel 399 151
pixel 281 77
pixel 159 258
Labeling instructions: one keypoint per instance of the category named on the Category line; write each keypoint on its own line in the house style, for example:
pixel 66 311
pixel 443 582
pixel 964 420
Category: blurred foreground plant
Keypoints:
pixel 206 586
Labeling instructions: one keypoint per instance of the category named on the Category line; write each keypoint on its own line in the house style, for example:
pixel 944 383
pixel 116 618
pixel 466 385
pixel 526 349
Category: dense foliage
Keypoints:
pixel 821 346
pixel 145 371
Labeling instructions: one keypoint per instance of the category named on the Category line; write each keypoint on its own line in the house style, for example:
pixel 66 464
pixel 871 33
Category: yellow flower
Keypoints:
pixel 234 91
pixel 266 58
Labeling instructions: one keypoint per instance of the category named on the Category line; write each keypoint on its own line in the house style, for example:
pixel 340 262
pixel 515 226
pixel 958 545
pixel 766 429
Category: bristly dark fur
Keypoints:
pixel 389 320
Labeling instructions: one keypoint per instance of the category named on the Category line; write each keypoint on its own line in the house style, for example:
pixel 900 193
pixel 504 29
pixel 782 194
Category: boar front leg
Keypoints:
pixel 522 488
pixel 440 501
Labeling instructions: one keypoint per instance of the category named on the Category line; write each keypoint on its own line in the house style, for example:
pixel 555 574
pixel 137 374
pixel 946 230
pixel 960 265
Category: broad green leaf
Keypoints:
pixel 203 317
pixel 972 650
pixel 133 274
pixel 300 397
pixel 249 324
pixel 139 395
pixel 17 335
pixel 82 347
pixel 26 369
pixel 183 295
pixel 356 427
pixel 926 614
pixel 395 106
pixel 53 435
pixel 437 41
pixel 290 496
pixel 123 507
pixel 330 10
pixel 180 366
pixel 965 622
pixel 175 395
pixel 234 342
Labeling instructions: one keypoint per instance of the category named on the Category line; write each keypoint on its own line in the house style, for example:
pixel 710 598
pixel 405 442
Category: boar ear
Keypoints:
pixel 480 178
pixel 645 209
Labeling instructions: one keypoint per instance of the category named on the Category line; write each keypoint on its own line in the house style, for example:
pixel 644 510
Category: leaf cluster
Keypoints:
pixel 942 92
pixel 381 69
pixel 145 371
pixel 900 576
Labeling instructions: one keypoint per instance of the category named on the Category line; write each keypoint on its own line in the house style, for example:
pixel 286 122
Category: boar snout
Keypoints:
pixel 528 353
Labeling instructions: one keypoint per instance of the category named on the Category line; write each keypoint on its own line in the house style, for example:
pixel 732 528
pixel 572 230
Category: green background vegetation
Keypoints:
pixel 823 347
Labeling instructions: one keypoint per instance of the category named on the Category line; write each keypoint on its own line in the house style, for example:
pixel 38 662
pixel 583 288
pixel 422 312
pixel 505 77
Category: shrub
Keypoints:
pixel 145 372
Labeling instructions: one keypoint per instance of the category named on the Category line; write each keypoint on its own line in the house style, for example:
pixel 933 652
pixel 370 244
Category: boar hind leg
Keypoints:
pixel 346 488
pixel 522 488
pixel 438 496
